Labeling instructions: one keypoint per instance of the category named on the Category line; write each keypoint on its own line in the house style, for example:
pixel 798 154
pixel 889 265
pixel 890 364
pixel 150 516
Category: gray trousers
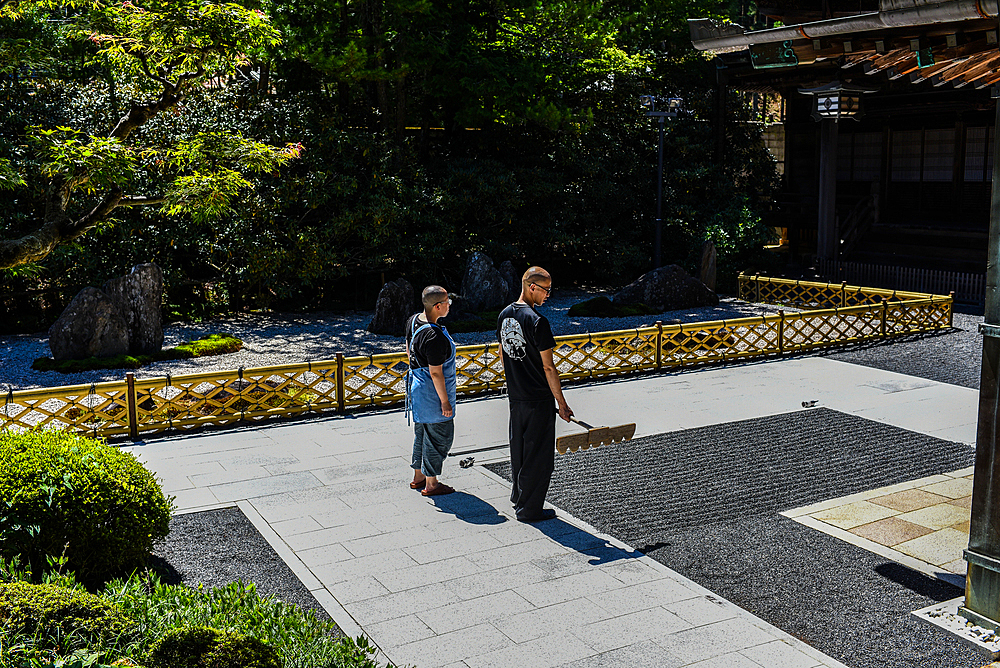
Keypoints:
pixel 431 444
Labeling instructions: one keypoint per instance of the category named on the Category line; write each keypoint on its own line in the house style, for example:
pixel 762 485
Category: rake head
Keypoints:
pixel 594 438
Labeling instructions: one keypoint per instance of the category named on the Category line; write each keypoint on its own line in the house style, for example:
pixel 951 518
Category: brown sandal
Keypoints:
pixel 415 484
pixel 438 490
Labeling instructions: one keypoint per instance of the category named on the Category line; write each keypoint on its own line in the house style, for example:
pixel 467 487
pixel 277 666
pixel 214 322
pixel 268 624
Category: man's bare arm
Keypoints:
pixel 552 377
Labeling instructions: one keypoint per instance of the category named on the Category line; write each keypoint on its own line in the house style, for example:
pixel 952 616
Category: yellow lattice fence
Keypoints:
pixel 836 314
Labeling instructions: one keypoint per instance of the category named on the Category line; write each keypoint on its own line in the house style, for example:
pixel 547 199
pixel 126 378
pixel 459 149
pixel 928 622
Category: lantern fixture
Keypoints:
pixel 836 100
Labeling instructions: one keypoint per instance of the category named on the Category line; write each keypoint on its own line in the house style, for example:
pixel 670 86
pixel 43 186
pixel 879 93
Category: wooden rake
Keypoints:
pixel 594 437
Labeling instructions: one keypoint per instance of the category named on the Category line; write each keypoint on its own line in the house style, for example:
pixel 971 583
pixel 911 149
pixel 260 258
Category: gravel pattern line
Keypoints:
pixel 216 547
pixel 704 502
pixel 280 338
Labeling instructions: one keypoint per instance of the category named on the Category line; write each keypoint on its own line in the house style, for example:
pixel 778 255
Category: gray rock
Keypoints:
pixel 513 281
pixel 139 296
pixel 396 302
pixel 707 271
pixel 667 288
pixel 483 286
pixel 91 326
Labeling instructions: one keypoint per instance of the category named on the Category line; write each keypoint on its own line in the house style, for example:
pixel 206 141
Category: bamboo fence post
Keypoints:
pixel 756 282
pixel 781 332
pixel 340 382
pixel 843 293
pixel 133 419
pixel 951 309
pixel 884 313
pixel 659 344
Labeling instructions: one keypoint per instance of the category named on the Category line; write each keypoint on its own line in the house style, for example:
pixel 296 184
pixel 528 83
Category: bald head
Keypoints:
pixel 535 275
pixel 432 295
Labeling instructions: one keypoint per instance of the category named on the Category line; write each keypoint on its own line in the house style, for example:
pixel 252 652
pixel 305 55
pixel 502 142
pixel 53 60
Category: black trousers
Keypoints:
pixel 532 454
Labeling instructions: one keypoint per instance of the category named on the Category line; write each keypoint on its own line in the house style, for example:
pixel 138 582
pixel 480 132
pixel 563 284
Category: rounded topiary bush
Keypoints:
pixel 205 647
pixel 60 618
pixel 60 490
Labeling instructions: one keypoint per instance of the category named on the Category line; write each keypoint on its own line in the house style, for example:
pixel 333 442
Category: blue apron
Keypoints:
pixel 421 398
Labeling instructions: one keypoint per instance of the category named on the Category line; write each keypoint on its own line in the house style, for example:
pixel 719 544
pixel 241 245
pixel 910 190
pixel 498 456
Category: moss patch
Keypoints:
pixel 213 344
pixel 482 321
pixel 602 307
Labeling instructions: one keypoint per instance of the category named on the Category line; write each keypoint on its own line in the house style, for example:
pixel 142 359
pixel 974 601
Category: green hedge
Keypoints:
pixel 61 491
pixel 60 619
pixel 205 647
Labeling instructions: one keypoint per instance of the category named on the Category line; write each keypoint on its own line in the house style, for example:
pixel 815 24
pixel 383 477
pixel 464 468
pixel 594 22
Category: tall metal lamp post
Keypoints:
pixel 673 107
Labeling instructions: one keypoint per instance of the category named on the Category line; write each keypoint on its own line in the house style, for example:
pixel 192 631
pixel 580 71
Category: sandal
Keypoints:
pixel 418 484
pixel 438 490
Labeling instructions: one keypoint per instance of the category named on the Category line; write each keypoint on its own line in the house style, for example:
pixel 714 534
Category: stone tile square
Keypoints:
pixel 327 554
pixel 513 554
pixel 322 537
pixel 437 550
pixel 963 502
pixel 731 660
pixel 704 642
pixel 335 572
pixel 854 514
pixel 384 542
pixel 417 576
pixel 937 517
pixel 194 498
pixel 623 630
pixel 399 631
pixel 295 526
pixel 460 645
pixel 552 619
pixel 400 604
pixel 471 612
pixel 958 566
pixel 703 610
pixel 779 654
pixel 953 489
pixel 646 654
pixel 555 650
pixel 357 589
pixel 890 531
pixel 644 596
pixel 633 571
pixel 938 548
pixel 249 489
pixel 567 588
pixel 481 583
pixel 907 500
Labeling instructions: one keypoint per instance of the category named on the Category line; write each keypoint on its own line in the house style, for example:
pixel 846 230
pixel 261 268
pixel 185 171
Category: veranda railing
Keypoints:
pixel 835 314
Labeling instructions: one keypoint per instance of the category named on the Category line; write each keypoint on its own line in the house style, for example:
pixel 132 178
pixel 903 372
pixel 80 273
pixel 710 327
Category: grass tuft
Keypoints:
pixel 213 344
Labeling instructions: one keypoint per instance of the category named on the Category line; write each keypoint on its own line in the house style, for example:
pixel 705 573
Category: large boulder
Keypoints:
pixel 483 286
pixel 667 289
pixel 139 295
pixel 396 302
pixel 91 326
pixel 513 281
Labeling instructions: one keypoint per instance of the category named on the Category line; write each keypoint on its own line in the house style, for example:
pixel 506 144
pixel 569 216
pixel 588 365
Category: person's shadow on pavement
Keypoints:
pixel 599 549
pixel 469 508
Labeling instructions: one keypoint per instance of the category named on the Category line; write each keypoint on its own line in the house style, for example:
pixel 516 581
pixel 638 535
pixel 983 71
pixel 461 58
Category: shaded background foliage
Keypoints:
pixel 430 130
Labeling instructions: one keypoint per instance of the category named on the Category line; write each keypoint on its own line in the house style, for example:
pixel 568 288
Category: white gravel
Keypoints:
pixel 283 338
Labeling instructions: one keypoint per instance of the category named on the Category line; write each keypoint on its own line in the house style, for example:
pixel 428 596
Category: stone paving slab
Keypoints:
pixel 456 581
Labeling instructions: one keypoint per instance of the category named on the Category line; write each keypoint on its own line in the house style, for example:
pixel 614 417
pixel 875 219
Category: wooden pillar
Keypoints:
pixel 826 238
pixel 982 584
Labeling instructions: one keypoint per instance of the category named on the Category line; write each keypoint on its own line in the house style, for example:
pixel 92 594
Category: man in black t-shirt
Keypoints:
pixel 526 345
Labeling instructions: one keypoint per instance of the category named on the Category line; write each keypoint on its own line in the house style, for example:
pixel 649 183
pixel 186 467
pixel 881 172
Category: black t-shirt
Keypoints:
pixel 522 333
pixel 428 348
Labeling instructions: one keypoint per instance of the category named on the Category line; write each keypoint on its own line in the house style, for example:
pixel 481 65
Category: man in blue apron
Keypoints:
pixel 431 385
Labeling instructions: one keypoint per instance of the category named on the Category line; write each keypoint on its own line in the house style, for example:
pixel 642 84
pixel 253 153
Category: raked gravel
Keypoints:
pixel 286 338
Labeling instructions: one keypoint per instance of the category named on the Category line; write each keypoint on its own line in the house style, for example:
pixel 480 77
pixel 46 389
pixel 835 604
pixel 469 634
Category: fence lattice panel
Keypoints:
pixel 836 314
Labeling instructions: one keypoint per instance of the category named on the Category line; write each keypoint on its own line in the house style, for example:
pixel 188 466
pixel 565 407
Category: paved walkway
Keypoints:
pixel 453 581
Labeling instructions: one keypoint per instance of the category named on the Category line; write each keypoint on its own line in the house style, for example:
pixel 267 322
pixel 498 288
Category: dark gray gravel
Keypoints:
pixel 705 501
pixel 216 547
pixel 953 356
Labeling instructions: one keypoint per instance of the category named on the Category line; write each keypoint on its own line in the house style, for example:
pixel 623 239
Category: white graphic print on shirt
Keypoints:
pixel 512 339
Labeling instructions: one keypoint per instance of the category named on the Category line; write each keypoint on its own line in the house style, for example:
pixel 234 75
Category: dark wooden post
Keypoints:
pixel 659 344
pixel 826 236
pixel 982 584
pixel 340 382
pixel 133 419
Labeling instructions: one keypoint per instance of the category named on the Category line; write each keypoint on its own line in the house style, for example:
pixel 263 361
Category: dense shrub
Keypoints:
pixel 55 617
pixel 64 492
pixel 205 647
